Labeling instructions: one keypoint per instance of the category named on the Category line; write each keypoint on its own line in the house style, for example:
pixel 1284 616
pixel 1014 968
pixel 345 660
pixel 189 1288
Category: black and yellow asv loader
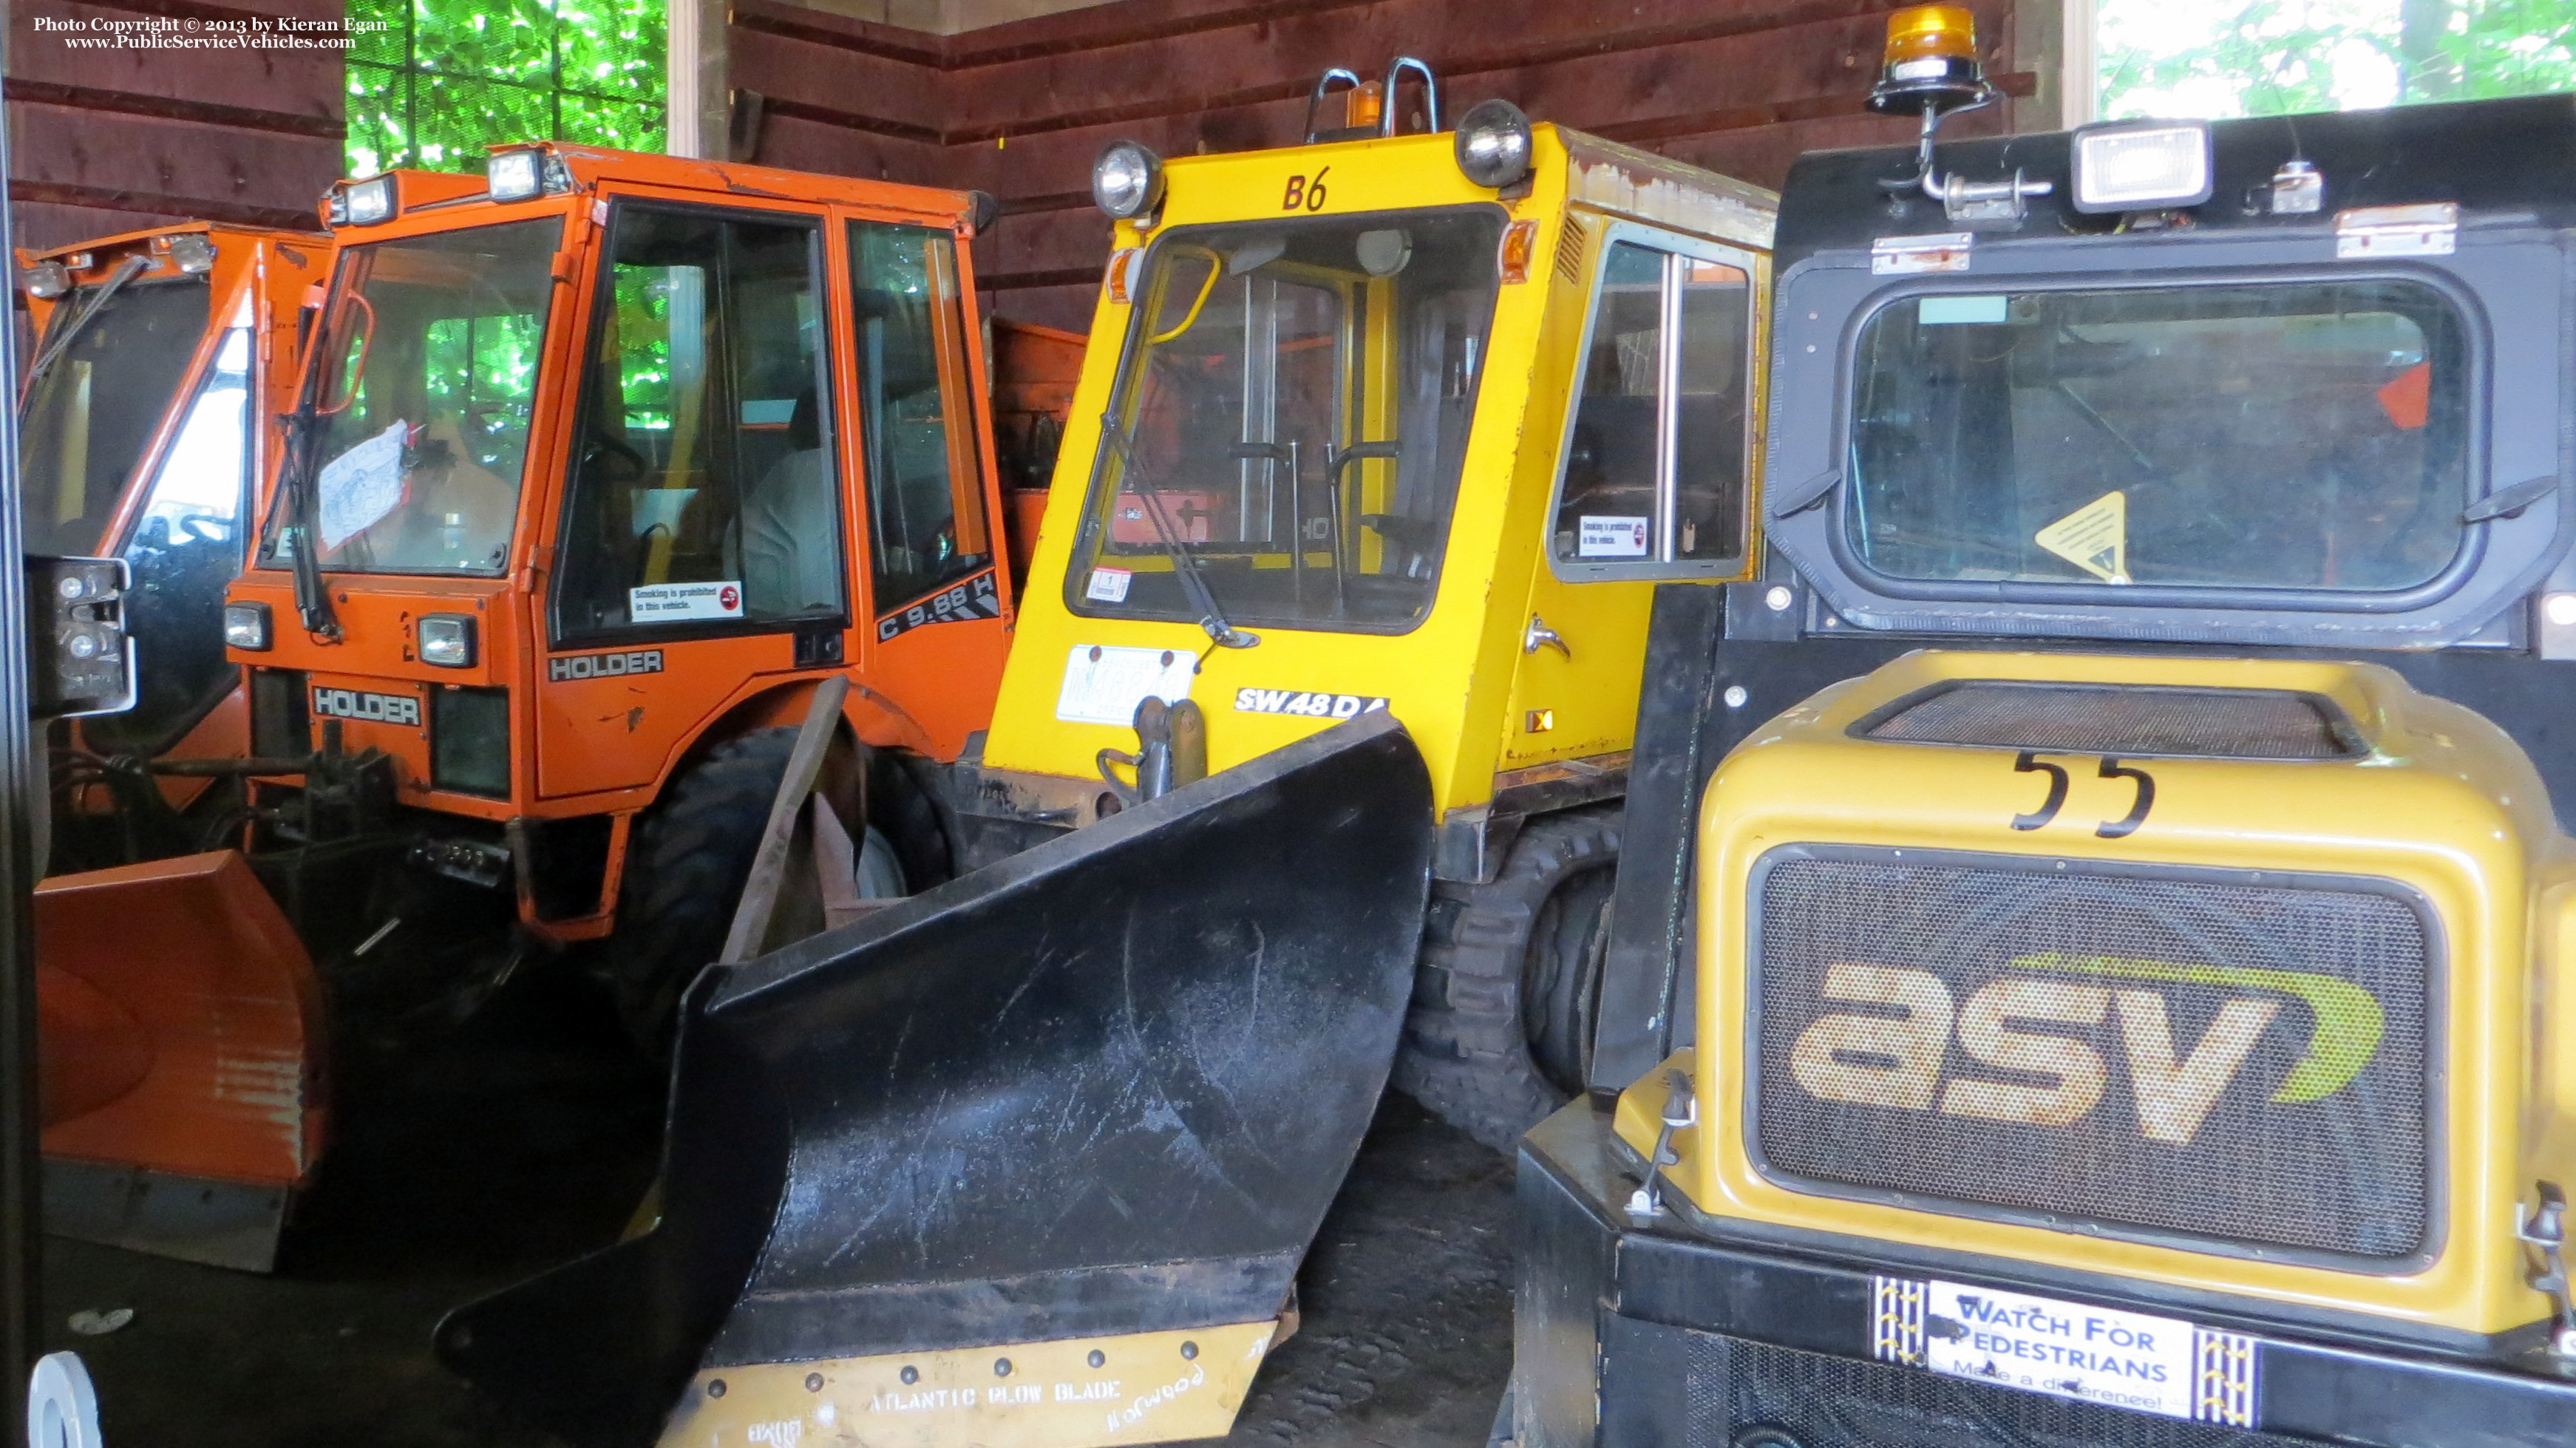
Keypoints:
pixel 2106 976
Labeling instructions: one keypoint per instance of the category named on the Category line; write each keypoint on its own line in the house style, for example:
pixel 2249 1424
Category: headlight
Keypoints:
pixel 364 203
pixel 2137 166
pixel 246 626
pixel 1494 143
pixel 447 640
pixel 514 175
pixel 47 280
pixel 194 254
pixel 1127 181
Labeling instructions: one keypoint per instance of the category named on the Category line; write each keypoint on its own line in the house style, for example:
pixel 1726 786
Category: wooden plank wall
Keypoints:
pixel 111 140
pixel 1739 86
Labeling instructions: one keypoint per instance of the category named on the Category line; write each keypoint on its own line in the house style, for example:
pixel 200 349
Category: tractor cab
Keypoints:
pixel 1400 418
pixel 146 434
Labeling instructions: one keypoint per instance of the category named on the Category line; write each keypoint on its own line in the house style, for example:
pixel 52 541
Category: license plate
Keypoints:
pixel 2131 1360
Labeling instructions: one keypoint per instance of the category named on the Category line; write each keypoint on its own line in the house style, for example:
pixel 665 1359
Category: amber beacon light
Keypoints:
pixel 1931 70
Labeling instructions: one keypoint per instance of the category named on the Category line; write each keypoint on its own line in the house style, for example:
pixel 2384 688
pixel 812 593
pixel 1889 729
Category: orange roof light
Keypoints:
pixel 1930 32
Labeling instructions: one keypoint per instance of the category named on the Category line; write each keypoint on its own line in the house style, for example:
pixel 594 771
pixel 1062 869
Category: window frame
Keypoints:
pixel 2497 265
pixel 1352 346
pixel 967 474
pixel 603 303
pixel 1667 412
pixel 2478 357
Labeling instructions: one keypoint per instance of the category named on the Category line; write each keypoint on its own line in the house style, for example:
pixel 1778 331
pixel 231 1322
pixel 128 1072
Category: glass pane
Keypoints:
pixel 379 32
pixel 1292 409
pixel 92 411
pixel 704 488
pixel 1607 511
pixel 379 128
pixel 2287 435
pixel 431 348
pixel 610 49
pixel 497 40
pixel 184 548
pixel 1708 451
pixel 926 524
pixel 626 125
pixel 455 119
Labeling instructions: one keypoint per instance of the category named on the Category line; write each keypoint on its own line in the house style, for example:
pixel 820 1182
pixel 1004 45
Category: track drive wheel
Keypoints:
pixel 685 870
pixel 1503 1003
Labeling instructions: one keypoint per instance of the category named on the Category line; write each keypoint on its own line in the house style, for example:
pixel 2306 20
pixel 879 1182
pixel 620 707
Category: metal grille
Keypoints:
pixel 1738 1387
pixel 2131 719
pixel 2147 1053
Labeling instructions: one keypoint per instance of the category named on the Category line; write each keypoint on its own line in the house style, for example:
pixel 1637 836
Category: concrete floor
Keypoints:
pixel 514 1143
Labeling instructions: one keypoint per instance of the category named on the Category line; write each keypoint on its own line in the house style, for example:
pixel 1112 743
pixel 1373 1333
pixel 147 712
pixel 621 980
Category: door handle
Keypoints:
pixel 1539 636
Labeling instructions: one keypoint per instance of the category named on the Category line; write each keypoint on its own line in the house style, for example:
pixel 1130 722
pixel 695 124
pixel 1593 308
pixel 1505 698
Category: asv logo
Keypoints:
pixel 1897 1053
pixel 374 708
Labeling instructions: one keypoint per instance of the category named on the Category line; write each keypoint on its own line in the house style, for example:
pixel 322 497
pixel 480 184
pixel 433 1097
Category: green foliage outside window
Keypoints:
pixel 2281 57
pixel 444 78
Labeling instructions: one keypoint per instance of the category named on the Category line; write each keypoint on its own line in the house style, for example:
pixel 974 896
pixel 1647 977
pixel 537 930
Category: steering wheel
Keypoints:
pixel 603 442
pixel 207 527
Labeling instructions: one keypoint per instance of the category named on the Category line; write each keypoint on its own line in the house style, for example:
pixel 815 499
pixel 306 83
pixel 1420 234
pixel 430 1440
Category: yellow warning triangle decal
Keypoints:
pixel 2094 537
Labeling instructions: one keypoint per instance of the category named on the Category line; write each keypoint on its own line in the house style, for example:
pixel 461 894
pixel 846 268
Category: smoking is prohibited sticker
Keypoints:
pixel 2160 1365
pixel 683 602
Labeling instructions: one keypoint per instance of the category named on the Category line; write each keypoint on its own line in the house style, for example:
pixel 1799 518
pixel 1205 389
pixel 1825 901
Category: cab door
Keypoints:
pixel 1655 481
pixel 702 538
pixel 932 559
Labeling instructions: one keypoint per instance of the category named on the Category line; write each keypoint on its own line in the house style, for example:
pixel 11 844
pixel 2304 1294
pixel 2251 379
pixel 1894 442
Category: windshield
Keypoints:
pixel 1289 421
pixel 429 358
pixel 95 409
pixel 184 547
pixel 2296 435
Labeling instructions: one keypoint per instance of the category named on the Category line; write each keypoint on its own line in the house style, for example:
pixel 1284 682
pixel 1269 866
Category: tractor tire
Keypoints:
pixel 903 806
pixel 1509 972
pixel 685 871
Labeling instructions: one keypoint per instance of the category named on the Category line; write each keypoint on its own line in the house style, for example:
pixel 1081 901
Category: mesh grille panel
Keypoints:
pixel 1830 1402
pixel 2169 1055
pixel 2124 719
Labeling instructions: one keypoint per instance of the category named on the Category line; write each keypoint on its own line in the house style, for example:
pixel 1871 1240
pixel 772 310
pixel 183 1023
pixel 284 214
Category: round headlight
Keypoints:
pixel 1494 143
pixel 47 280
pixel 1127 180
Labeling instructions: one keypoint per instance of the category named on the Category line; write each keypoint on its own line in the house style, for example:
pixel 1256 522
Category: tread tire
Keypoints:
pixel 685 871
pixel 1466 1052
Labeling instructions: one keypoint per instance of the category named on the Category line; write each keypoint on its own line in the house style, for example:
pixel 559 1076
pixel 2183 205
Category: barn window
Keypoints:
pixel 431 82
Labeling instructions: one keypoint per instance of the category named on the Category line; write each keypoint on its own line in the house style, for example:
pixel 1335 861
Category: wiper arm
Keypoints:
pixel 61 342
pixel 292 519
pixel 1184 563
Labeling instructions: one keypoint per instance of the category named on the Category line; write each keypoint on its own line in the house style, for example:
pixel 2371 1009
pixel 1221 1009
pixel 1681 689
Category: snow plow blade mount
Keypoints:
pixel 179 1032
pixel 1032 1157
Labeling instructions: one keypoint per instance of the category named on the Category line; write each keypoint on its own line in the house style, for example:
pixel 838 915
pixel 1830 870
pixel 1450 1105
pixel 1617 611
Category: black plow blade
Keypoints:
pixel 1032 1157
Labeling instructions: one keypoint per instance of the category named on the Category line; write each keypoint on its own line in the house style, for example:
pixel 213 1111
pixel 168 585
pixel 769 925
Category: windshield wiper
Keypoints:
pixel 1185 564
pixel 61 342
pixel 291 526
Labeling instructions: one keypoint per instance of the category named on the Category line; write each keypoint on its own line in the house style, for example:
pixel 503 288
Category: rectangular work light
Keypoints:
pixel 2142 166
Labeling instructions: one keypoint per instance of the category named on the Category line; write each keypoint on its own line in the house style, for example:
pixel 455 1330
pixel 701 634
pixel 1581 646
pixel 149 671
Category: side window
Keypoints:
pixel 926 522
pixel 184 547
pixel 703 489
pixel 1653 474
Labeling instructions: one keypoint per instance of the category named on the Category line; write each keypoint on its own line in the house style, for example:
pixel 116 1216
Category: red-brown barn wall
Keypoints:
pixel 1739 86
pixel 103 141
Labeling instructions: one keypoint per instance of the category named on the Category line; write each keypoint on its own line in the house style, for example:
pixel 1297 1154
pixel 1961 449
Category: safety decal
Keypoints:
pixel 372 708
pixel 2129 1360
pixel 973 599
pixel 1311 704
pixel 684 602
pixel 562 667
pixel 2094 537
